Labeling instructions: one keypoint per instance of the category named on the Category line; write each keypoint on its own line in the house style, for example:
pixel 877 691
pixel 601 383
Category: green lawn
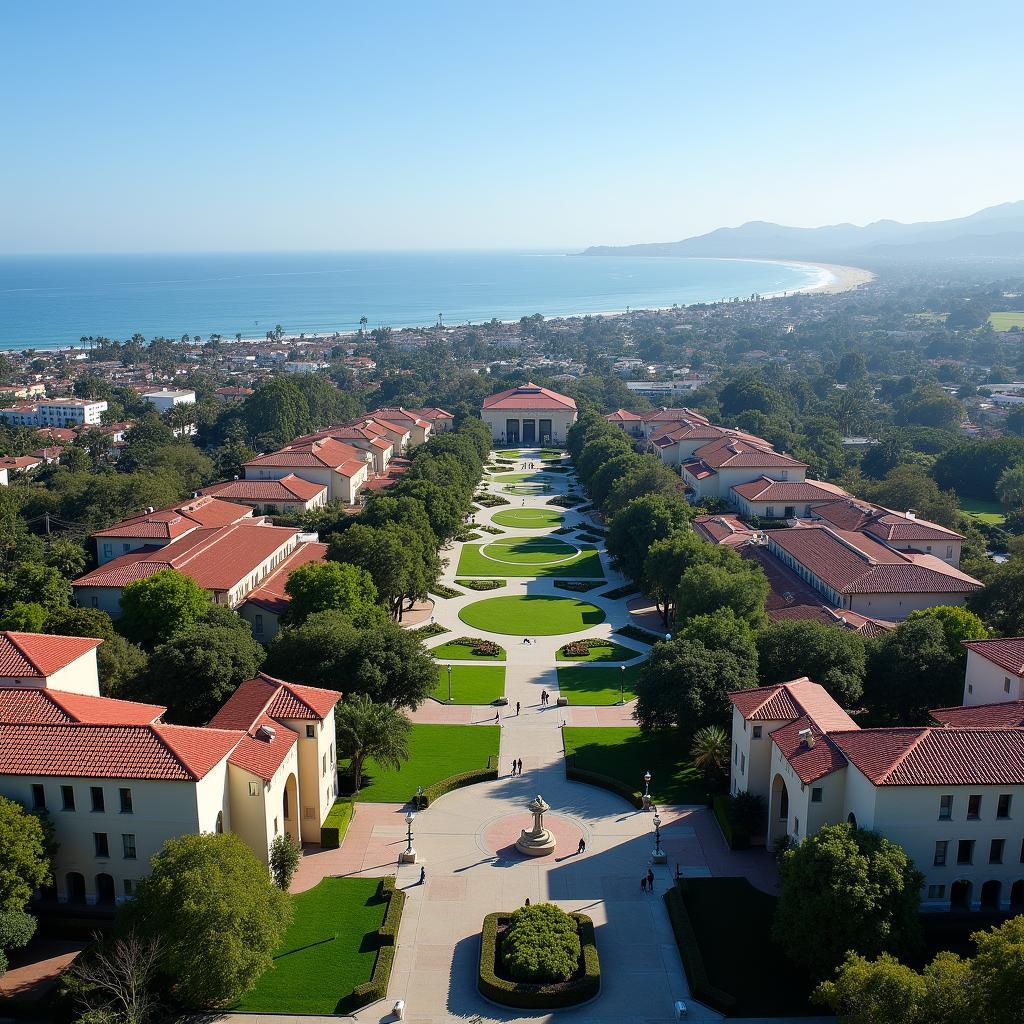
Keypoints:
pixel 508 558
pixel 733 925
pixel 596 685
pixel 623 753
pixel 456 651
pixel 329 948
pixel 471 684
pixel 545 455
pixel 531 475
pixel 990 512
pixel 435 753
pixel 1004 321
pixel 527 614
pixel 527 518
pixel 606 652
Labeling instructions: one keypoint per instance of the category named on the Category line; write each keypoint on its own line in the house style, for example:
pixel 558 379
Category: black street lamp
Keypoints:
pixel 449 683
pixel 659 856
pixel 622 681
pixel 647 791
pixel 409 856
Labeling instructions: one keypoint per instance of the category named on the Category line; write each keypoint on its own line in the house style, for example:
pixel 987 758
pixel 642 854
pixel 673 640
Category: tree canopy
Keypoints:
pixel 160 606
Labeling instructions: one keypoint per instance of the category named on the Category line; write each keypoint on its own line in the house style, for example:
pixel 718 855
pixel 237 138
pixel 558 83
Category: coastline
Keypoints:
pixel 833 279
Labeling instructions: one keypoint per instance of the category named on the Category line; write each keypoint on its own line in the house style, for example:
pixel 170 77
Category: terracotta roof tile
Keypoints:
pixel 290 488
pixel 169 523
pixel 810 757
pixel 528 396
pixel 270 594
pixel 36 655
pixel 1006 652
pixel 264 750
pixel 1007 715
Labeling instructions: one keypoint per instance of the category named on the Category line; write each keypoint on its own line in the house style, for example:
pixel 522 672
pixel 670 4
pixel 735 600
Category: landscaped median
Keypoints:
pixel 337 953
pixel 469 684
pixel 332 831
pixel 597 685
pixel 526 943
pixel 531 614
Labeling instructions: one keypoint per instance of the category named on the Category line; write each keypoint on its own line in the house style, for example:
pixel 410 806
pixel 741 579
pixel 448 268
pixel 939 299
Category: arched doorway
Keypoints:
pixel 105 890
pixel 851 820
pixel 219 827
pixel 74 887
pixel 960 895
pixel 990 893
pixel 778 824
pixel 1017 896
pixel 291 809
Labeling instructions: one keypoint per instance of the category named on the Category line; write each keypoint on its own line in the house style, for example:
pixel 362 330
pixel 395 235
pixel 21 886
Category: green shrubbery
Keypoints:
pixel 438 789
pixel 541 944
pixel 335 825
pixel 387 935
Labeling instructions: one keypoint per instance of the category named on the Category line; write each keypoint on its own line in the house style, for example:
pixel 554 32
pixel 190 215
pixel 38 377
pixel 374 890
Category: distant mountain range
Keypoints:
pixel 995 232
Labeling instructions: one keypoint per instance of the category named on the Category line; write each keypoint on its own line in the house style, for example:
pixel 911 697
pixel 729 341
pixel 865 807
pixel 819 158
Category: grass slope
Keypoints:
pixel 596 685
pixel 623 753
pixel 990 512
pixel 435 752
pixel 326 952
pixel 1004 321
pixel 538 614
pixel 471 684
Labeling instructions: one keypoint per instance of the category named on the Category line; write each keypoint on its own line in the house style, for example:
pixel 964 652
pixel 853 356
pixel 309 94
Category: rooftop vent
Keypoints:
pixel 911 513
pixel 266 733
pixel 806 738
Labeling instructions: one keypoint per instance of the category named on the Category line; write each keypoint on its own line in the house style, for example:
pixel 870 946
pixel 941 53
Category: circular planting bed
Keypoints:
pixel 540 551
pixel 539 958
pixel 537 614
pixel 527 518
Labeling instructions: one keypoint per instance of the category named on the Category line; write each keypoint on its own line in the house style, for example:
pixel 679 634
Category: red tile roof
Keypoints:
pixel 270 594
pixel 884 523
pixel 735 453
pixel 1007 715
pixel 787 701
pixel 936 756
pixel 170 752
pixel 28 706
pixel 853 563
pixel 767 489
pixel 320 453
pixel 265 695
pixel 169 523
pixel 1006 652
pixel 18 462
pixel 264 749
pixel 812 756
pixel 37 655
pixel 217 559
pixel 528 396
pixel 288 489
pixel 722 529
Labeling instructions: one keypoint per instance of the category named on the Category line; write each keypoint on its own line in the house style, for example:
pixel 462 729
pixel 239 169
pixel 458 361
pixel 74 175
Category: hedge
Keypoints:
pixel 441 590
pixel 481 584
pixel 690 954
pixel 617 592
pixel 645 636
pixel 737 838
pixel 525 995
pixel 438 789
pixel 429 630
pixel 335 825
pixel 376 988
pixel 574 774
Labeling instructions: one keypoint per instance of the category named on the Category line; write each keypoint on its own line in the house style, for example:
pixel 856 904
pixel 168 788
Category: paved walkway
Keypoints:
pixel 465 840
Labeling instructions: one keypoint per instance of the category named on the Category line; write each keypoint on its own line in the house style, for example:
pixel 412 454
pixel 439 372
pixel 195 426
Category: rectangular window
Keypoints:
pixel 323 768
pixel 38 797
pixel 946 807
pixel 965 851
pixel 127 807
pixel 129 887
pixel 995 851
pixel 94 601
pixel 309 812
pixel 939 860
pixel 257 624
pixel 99 840
pixel 1006 684
pixel 974 807
pixel 743 763
pixel 735 754
pixel 816 794
pixel 254 789
pixel 757 732
pixel 96 795
pixel 276 830
pixel 108 550
pixel 310 732
pixel 1003 807
pixel 128 845
pixel 770 512
pixel 936 892
pixel 949 550
pixel 67 797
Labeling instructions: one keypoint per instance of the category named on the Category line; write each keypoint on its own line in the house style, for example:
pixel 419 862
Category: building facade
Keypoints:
pixel 529 415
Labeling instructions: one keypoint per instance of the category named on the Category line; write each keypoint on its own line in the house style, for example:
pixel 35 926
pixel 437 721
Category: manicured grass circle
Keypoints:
pixel 537 615
pixel 527 518
pixel 529 550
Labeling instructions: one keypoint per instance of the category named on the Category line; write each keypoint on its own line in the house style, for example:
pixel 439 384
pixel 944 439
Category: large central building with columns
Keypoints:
pixel 529 415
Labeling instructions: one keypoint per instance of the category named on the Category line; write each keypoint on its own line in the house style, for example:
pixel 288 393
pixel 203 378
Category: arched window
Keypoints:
pixel 990 893
pixel 851 820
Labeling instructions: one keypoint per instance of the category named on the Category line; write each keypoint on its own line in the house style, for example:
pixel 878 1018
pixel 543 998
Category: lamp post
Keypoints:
pixel 449 683
pixel 660 857
pixel 668 636
pixel 647 791
pixel 419 798
pixel 409 855
pixel 622 681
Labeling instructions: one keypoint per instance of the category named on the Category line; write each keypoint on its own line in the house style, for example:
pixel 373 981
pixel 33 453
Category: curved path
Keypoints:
pixel 465 841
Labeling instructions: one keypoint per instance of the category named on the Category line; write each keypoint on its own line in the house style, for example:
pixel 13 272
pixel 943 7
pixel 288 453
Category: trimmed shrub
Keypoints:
pixel 617 592
pixel 737 838
pixel 577 586
pixel 440 590
pixel 438 789
pixel 377 987
pixel 690 954
pixel 481 584
pixel 335 825
pixel 541 944
pixel 429 630
pixel 531 996
pixel 645 636
pixel 574 774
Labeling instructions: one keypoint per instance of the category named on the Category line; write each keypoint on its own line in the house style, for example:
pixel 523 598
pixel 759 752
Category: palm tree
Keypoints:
pixel 362 324
pixel 710 749
pixel 365 729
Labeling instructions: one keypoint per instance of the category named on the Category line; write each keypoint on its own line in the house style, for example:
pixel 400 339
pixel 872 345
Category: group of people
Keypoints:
pixel 647 882
pixel 517 766
pixel 545 698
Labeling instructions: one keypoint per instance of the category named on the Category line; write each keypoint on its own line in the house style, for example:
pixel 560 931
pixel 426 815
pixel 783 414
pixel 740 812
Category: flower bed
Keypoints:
pixel 440 590
pixel 491 500
pixel 487 528
pixel 483 584
pixel 564 501
pixel 580 648
pixel 429 630
pixel 495 982
pixel 476 647
pixel 578 586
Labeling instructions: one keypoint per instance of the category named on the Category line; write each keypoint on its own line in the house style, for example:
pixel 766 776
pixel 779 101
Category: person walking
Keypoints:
pixel 497 717
pixel 643 883
pixel 650 880
pixel 513 766
pixel 582 848
pixel 517 708
pixel 519 770
pixel 423 875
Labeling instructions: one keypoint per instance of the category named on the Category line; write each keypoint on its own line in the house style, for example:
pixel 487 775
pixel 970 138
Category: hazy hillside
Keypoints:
pixel 996 231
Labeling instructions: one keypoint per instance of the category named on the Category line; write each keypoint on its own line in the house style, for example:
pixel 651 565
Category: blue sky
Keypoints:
pixel 224 126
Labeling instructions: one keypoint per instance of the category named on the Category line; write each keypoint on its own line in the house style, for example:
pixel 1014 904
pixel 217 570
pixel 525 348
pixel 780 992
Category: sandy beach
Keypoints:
pixel 844 279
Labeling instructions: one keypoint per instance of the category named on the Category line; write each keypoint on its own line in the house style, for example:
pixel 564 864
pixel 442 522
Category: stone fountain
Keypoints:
pixel 539 841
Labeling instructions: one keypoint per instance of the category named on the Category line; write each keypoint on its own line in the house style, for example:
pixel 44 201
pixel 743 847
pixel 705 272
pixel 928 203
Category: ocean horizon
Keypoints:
pixel 52 301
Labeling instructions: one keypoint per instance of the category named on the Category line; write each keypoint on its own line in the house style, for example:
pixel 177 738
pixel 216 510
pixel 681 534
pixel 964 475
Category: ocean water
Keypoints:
pixel 53 301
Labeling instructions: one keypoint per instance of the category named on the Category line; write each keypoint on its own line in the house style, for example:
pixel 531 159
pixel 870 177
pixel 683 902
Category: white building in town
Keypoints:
pixel 118 782
pixel 166 399
pixel 529 415
pixel 57 412
pixel 950 795
pixel 995 671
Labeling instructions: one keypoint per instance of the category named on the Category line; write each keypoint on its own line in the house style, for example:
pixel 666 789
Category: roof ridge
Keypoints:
pixel 924 730
pixel 21 650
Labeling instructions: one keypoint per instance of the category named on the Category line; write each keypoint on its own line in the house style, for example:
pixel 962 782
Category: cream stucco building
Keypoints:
pixel 528 415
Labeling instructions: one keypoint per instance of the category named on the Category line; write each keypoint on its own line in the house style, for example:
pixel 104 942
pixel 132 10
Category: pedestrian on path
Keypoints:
pixel 582 848
pixel 423 875
pixel 517 708
pixel 497 715
pixel 520 767
pixel 650 880
pixel 643 883
pixel 513 766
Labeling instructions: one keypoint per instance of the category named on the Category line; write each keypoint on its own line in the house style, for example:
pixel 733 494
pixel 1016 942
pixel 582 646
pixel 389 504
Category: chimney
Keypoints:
pixel 911 513
pixel 266 733
pixel 806 738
